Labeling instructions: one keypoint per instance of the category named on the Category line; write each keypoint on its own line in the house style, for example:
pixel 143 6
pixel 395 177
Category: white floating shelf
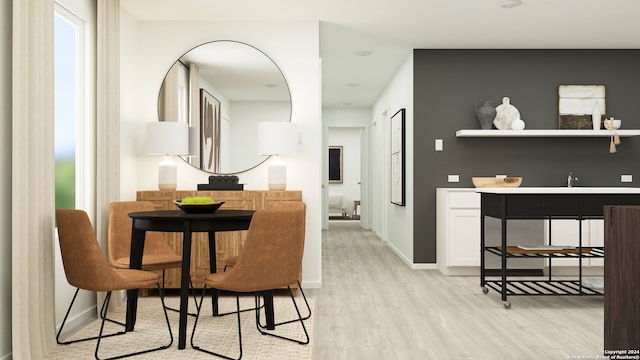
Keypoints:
pixel 544 133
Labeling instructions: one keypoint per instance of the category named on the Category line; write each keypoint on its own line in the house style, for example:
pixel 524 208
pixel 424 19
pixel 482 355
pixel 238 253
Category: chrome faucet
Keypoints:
pixel 571 179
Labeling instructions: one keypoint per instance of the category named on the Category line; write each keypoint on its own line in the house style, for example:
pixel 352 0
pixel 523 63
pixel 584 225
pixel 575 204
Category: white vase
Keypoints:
pixel 505 114
pixel 596 117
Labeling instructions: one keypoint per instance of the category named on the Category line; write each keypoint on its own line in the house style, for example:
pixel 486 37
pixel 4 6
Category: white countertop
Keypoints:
pixel 560 190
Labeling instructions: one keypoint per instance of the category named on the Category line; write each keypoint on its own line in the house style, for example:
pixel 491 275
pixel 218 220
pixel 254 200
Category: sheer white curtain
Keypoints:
pixel 33 325
pixel 108 113
pixel 108 118
pixel 32 172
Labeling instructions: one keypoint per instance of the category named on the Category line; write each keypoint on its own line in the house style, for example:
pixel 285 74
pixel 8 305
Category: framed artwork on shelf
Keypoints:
pixel 398 158
pixel 578 104
pixel 335 164
pixel 209 132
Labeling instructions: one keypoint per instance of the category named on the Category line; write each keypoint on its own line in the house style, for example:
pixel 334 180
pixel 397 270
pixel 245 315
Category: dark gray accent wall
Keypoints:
pixel 446 86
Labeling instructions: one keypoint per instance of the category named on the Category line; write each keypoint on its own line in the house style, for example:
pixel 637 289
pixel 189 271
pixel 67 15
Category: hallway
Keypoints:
pixel 373 306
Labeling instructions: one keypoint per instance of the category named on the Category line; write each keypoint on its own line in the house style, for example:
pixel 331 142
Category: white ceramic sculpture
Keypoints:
pixel 505 115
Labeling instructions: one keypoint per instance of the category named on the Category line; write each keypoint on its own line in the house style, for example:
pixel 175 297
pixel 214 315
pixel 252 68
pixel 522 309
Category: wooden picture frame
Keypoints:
pixel 209 132
pixel 398 168
pixel 335 164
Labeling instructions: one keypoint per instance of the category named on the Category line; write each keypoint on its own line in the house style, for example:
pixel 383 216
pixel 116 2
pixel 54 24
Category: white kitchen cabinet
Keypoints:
pixel 458 231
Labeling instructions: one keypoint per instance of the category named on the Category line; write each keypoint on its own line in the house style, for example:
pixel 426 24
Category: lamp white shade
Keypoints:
pixel 167 138
pixel 277 138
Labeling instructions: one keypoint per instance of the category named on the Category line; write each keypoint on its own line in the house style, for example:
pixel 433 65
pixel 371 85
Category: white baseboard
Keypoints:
pixel 311 284
pixel 460 270
pixel 424 266
pixel 76 322
pixel 409 262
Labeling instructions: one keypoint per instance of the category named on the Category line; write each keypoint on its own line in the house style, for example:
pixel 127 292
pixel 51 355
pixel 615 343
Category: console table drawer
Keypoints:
pixel 541 206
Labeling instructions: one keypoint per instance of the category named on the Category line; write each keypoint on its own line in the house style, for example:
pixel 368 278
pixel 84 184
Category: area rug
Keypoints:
pixel 217 333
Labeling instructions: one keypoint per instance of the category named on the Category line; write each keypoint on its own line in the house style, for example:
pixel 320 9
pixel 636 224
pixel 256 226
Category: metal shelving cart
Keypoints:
pixel 543 204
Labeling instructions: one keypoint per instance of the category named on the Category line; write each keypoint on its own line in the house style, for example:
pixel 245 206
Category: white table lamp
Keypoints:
pixel 167 138
pixel 277 139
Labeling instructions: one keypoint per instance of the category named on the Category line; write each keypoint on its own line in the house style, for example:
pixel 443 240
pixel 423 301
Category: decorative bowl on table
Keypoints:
pixel 496 181
pixel 196 208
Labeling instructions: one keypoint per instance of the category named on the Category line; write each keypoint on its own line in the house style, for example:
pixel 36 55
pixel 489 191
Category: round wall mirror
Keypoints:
pixel 223 89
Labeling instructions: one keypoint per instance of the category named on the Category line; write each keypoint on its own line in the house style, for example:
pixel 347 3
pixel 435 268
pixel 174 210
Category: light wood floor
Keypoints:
pixel 373 306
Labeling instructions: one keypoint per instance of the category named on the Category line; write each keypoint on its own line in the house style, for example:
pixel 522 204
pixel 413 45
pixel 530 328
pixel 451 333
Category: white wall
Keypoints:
pixel 397 229
pixel 245 115
pixel 346 117
pixel 148 51
pixel 5 179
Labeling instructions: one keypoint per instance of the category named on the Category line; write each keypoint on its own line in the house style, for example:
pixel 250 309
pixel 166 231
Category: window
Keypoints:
pixel 68 105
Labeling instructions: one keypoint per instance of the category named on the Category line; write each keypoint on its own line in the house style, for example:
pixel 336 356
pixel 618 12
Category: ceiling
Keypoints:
pixel 389 30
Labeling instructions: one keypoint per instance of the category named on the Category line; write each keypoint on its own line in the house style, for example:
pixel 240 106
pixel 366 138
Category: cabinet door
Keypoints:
pixel 463 244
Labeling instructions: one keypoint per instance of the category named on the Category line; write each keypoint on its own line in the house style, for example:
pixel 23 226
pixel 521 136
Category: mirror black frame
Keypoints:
pixel 191 121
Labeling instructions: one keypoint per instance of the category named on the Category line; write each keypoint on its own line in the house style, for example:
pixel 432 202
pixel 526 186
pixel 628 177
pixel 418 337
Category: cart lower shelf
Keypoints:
pixel 539 288
pixel 542 288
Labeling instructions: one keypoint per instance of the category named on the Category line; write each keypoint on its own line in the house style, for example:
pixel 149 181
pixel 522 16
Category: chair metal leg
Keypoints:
pixel 293 320
pixel 64 321
pixel 193 292
pixel 216 296
pixel 195 323
pixel 215 299
pixel 103 314
pixel 105 305
pixel 300 319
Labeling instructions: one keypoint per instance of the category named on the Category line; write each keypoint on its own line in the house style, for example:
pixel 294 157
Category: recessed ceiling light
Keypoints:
pixel 364 53
pixel 353 84
pixel 511 4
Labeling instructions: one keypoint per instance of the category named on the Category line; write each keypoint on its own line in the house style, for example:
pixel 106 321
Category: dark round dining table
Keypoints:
pixel 186 223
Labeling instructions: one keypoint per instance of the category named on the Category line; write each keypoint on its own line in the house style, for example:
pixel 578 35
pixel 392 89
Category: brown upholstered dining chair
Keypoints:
pixel 86 268
pixel 271 258
pixel 231 261
pixel 157 255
